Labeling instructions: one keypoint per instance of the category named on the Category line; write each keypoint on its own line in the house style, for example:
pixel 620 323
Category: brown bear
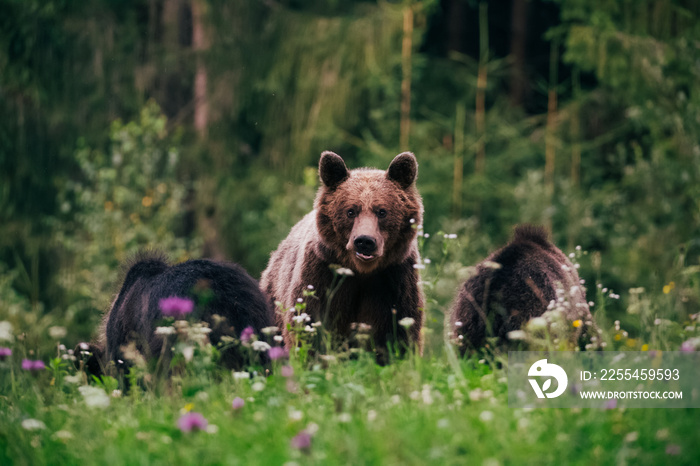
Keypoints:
pixel 224 295
pixel 514 284
pixel 364 220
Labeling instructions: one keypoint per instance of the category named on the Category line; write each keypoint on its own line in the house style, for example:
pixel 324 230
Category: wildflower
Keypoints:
pixel 301 318
pixel 344 271
pixel 247 334
pixel 418 266
pixel 407 322
pixel 310 287
pixel 6 331
pixel 278 338
pixel 5 353
pixel 631 437
pixel 645 347
pixel 287 371
pixel 33 424
pixel 302 441
pixel 29 365
pixel 295 415
pixel 413 220
pixel 176 307
pixel 517 335
pixel 317 324
pixel 192 421
pixel 309 329
pixel 258 386
pixel 212 429
pixel 237 403
pixel 300 300
pixel 261 346
pixel 577 323
pixel 668 288
pixel 689 346
pixel 241 375
pixel 270 330
pixel 62 435
pixel 165 331
pixel 57 332
pixel 277 353
pixel 486 416
pixel 591 304
pixel 344 418
pixel 492 265
pixel 443 423
pixel 371 415
pixel 537 323
pixel 94 397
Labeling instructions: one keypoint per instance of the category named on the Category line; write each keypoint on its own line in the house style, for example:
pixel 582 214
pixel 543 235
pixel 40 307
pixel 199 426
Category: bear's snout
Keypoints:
pixel 365 245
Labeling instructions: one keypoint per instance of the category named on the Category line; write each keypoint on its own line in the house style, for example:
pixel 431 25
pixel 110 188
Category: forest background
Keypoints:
pixel 195 127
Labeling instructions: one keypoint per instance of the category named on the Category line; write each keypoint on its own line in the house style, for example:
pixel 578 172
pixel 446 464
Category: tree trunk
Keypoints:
pixel 406 49
pixel 518 81
pixel 200 44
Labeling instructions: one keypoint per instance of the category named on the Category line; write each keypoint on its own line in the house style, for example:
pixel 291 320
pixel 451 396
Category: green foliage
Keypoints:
pixel 125 200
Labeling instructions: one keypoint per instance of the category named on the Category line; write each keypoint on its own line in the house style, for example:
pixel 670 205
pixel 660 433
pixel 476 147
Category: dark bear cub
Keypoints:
pixel 513 285
pixel 363 221
pixel 218 289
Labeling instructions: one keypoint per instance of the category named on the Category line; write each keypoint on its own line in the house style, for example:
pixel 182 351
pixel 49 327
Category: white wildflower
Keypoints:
pixel 6 331
pixel 241 375
pixel 33 424
pixel 278 338
pixel 344 271
pixel 270 330
pixel 344 418
pixel 260 346
pixel 486 416
pixel 165 331
pixel 258 386
pixel 407 322
pixel 57 332
pixel 517 335
pixel 94 397
pixel 295 415
pixel 371 415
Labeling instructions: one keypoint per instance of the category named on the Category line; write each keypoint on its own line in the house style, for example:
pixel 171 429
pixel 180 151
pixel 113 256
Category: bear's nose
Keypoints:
pixel 365 244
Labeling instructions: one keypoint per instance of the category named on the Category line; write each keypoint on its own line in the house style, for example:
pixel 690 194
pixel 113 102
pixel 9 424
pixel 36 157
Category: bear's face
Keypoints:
pixel 365 215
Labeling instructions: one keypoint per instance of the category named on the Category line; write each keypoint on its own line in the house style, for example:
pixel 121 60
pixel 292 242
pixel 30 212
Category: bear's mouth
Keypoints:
pixel 364 257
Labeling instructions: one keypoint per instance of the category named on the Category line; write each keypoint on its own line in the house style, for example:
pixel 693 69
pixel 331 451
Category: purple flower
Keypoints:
pixel 277 353
pixel 175 307
pixel 673 449
pixel 611 404
pixel 688 346
pixel 5 353
pixel 29 365
pixel 302 441
pixel 237 403
pixel 246 334
pixel 287 371
pixel 192 421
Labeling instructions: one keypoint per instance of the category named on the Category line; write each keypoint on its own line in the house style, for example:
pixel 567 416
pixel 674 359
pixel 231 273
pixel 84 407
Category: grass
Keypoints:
pixel 434 409
pixel 415 411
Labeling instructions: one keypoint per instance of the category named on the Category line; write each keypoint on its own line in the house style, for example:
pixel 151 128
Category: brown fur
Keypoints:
pixel 367 206
pixel 531 268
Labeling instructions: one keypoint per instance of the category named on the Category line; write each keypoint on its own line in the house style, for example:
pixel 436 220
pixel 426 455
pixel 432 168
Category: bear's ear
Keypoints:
pixel 332 169
pixel 403 169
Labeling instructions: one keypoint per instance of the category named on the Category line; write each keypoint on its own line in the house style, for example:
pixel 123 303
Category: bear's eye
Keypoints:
pixel 381 213
pixel 351 213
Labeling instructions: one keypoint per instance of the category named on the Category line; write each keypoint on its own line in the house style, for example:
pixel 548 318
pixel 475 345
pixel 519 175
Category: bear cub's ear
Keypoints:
pixel 403 169
pixel 332 169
